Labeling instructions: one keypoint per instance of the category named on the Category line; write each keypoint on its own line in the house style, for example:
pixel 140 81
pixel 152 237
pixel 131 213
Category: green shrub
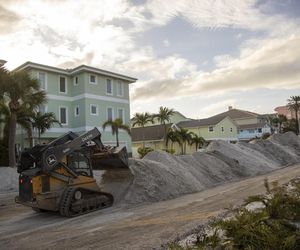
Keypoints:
pixel 265 136
pixel 143 151
pixel 169 150
pixel 270 227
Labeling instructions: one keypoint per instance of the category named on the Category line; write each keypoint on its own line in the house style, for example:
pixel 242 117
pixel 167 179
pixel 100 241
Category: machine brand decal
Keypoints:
pixel 87 138
pixel 51 160
pixel 66 150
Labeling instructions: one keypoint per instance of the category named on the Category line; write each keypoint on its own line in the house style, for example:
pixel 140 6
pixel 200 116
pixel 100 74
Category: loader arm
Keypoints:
pixel 55 153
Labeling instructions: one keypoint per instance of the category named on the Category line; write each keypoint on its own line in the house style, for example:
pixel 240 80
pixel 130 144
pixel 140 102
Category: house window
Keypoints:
pixel 109 88
pixel 76 111
pixel 63 116
pixel 42 109
pixel 210 128
pixel 93 79
pixel 121 114
pixel 94 109
pixel 222 129
pixel 120 90
pixel 62 85
pixel 231 130
pixel 259 130
pixel 110 114
pixel 76 80
pixel 42 80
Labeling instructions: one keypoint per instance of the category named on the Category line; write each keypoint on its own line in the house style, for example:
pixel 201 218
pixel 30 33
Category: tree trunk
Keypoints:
pixel 117 137
pixel 30 137
pixel 12 140
pixel 280 125
pixel 143 137
pixel 165 135
pixel 297 121
pixel 39 131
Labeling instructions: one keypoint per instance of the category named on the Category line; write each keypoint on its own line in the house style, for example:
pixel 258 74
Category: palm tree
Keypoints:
pixel 23 119
pixel 19 91
pixel 184 137
pixel 43 121
pixel 116 125
pixel 164 115
pixel 197 140
pixel 281 119
pixel 172 136
pixel 141 119
pixel 294 105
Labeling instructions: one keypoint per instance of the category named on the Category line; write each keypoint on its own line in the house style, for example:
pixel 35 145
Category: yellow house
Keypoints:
pixel 150 136
pixel 232 125
pixel 250 125
pixel 214 128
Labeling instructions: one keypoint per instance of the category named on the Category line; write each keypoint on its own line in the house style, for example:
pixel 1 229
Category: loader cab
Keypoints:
pixel 79 162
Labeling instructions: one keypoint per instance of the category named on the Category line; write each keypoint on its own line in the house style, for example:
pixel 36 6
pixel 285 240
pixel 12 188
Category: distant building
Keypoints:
pixel 214 128
pixel 232 125
pixel 82 98
pixel 284 110
pixel 250 125
pixel 151 136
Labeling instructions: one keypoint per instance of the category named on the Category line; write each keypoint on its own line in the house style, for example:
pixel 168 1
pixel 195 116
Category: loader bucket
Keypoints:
pixel 110 158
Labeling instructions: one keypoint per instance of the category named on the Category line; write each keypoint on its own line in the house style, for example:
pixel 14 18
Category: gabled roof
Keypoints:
pixel 73 71
pixel 237 114
pixel 201 122
pixel 180 114
pixel 150 133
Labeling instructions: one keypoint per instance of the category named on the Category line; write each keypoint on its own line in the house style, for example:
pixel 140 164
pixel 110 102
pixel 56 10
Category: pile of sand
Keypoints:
pixel 161 176
pixel 9 179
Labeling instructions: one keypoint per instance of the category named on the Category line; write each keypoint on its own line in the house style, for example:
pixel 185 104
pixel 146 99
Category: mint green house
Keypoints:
pixel 82 98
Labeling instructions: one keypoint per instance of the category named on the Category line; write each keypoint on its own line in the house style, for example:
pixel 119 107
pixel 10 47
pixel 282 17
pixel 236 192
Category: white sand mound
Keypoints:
pixel 155 181
pixel 9 179
pixel 161 176
pixel 289 140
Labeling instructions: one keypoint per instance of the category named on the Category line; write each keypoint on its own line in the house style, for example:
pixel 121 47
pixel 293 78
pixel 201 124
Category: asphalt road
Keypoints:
pixel 141 227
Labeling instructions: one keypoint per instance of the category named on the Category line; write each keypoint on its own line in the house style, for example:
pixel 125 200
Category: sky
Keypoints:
pixel 195 56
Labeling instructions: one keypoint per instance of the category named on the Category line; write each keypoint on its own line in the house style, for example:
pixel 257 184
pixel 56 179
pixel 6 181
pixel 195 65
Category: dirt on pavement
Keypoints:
pixel 139 227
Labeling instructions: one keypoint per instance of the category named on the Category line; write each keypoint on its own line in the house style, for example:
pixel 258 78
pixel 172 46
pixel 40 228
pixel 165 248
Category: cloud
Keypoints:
pixel 276 64
pixel 64 33
pixel 213 14
pixel 150 67
pixel 216 107
pixel 103 33
pixel 166 43
pixel 8 20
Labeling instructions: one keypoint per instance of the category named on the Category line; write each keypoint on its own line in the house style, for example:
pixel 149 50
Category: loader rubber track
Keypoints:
pixel 90 202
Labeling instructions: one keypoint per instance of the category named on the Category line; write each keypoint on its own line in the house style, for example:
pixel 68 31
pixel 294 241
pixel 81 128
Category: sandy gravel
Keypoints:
pixel 141 227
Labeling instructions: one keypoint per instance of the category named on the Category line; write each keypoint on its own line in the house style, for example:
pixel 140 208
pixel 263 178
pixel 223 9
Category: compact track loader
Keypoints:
pixel 59 177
